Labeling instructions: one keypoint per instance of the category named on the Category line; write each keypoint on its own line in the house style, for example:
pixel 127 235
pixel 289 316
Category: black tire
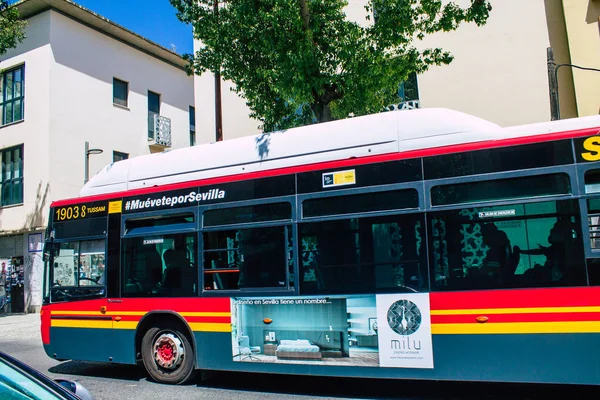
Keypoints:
pixel 170 341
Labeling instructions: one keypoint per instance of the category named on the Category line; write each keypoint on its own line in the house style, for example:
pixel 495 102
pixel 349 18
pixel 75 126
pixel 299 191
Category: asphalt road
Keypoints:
pixel 20 337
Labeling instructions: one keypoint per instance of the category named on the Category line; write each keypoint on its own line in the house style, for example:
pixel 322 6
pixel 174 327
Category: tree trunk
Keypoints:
pixel 305 14
pixel 321 110
pixel 326 113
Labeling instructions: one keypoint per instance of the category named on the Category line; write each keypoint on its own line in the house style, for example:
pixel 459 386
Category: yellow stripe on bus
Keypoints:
pixel 68 323
pixel 140 313
pixel 541 310
pixel 195 326
pixel 95 313
pixel 210 327
pixel 517 327
pixel 205 314
pixel 125 325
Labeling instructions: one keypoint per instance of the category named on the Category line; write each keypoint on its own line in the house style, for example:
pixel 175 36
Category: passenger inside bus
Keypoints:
pixel 178 277
pixel 171 278
pixel 500 261
pixel 560 254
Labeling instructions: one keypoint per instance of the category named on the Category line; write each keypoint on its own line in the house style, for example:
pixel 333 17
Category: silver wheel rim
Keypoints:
pixel 168 351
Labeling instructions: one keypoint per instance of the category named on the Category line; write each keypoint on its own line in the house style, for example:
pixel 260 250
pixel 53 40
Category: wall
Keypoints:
pixel 85 62
pixel 235 113
pixel 582 20
pixel 557 33
pixel 32 132
pixel 360 310
pixel 499 71
pixel 34 271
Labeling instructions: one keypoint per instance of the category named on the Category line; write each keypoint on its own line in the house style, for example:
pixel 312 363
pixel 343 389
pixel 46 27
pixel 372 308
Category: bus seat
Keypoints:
pixel 133 287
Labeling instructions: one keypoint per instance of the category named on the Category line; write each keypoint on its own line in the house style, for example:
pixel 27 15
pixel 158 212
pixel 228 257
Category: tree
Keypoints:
pixel 298 62
pixel 12 28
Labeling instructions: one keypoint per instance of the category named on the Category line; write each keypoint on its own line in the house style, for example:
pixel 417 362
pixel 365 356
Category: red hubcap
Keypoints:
pixel 165 351
pixel 168 350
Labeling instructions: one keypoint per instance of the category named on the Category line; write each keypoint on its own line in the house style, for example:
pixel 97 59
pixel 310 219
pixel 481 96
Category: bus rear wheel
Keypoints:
pixel 167 355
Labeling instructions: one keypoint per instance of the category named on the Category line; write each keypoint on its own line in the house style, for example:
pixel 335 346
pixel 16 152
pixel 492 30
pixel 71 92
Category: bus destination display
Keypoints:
pixel 81 211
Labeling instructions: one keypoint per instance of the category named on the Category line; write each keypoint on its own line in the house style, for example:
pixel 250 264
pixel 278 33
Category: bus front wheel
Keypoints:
pixel 167 355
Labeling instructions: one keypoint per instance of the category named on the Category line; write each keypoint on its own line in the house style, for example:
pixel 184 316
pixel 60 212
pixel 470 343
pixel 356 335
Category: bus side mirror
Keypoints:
pixel 46 252
pixel 48 249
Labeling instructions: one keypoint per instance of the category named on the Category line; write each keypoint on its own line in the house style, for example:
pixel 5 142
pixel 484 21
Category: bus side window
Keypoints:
pixel 245 258
pixel 508 246
pixel 363 255
pixel 593 206
pixel 593 271
pixel 160 266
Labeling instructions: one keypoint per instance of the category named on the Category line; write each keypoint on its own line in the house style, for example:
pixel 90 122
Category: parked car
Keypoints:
pixel 18 381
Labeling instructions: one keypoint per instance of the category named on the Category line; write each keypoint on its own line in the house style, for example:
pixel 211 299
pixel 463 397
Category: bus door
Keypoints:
pixel 79 324
pixel 158 264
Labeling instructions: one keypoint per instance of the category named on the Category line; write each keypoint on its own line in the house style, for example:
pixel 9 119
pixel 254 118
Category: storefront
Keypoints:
pixel 21 268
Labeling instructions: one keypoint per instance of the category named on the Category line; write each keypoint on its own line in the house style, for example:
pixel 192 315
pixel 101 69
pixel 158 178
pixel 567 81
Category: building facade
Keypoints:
pixel 574 28
pixel 499 71
pixel 78 84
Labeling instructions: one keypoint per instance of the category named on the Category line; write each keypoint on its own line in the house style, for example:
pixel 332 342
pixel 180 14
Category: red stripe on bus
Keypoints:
pixel 517 298
pixel 204 304
pixel 77 306
pixel 189 319
pixel 45 324
pixel 504 318
pixel 216 320
pixel 458 148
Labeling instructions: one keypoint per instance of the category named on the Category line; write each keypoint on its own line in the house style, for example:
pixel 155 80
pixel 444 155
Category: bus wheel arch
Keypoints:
pixel 167 347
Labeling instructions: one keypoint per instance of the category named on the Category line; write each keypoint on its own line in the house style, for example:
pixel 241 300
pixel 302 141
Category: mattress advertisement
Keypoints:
pixel 306 330
pixel 391 330
pixel 404 334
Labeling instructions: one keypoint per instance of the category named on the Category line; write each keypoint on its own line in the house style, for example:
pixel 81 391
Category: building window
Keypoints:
pixel 11 104
pixel 409 89
pixel 153 109
pixel 118 156
pixel 192 126
pixel 11 185
pixel 120 92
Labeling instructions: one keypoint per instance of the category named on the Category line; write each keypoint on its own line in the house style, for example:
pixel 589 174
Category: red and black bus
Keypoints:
pixel 423 244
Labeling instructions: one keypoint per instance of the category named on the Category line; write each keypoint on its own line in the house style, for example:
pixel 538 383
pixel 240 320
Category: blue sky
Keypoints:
pixel 153 19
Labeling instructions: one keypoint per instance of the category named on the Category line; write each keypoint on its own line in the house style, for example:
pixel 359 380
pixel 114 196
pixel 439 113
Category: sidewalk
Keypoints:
pixel 19 327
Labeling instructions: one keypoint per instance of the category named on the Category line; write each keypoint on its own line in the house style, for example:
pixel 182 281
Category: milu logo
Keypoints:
pixel 404 318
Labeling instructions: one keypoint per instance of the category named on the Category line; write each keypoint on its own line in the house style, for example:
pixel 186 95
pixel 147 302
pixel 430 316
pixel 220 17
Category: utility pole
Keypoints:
pixel 218 112
pixel 553 86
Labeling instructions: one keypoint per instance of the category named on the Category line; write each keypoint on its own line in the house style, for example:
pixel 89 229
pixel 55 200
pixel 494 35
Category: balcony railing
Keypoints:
pixel 405 105
pixel 159 130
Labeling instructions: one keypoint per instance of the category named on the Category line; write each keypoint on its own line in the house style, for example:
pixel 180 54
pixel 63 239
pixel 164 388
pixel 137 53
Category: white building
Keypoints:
pixel 77 78
pixel 499 71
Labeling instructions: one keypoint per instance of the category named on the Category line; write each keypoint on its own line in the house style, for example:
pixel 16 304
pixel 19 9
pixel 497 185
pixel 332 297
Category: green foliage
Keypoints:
pixel 298 62
pixel 12 29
